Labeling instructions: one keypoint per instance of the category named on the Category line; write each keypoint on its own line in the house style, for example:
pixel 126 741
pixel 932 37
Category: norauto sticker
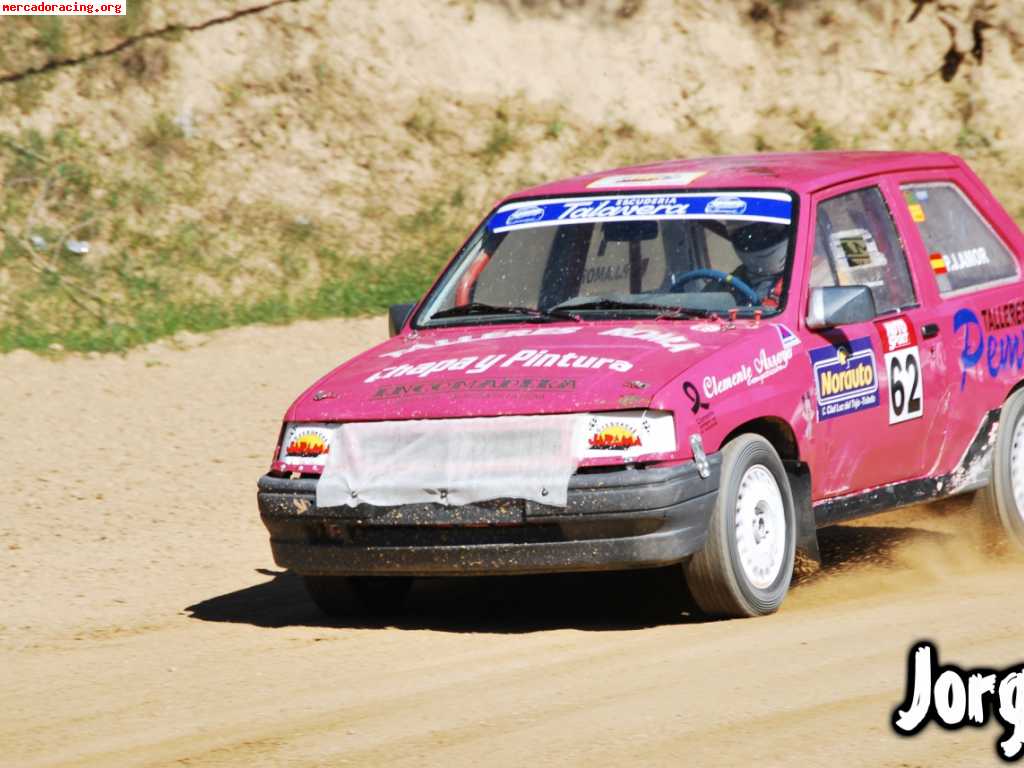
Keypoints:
pixel 676 179
pixel 845 378
pixel 776 207
pixel 524 358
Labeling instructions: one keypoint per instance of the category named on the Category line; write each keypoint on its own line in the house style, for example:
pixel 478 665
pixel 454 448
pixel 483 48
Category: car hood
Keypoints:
pixel 514 370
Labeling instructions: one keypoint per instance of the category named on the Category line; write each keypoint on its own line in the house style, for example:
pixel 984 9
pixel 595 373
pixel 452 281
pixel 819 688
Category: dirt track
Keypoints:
pixel 144 622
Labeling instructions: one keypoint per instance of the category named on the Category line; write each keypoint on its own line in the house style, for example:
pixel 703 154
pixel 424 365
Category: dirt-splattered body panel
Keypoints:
pixel 896 406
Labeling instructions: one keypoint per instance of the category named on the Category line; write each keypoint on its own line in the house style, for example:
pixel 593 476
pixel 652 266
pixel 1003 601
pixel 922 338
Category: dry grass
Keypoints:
pixel 218 185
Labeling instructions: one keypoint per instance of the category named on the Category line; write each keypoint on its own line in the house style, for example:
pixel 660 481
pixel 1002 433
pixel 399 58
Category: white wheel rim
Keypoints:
pixel 761 526
pixel 1017 466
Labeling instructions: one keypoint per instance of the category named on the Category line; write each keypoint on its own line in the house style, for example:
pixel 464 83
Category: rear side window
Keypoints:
pixel 856 243
pixel 963 249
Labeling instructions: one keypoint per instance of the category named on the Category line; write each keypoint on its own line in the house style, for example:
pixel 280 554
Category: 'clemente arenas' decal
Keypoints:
pixel 524 358
pixel 764 365
pixel 953 697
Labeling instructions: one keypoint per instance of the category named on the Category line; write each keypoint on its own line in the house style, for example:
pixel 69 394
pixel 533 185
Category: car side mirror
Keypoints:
pixel 398 314
pixel 840 305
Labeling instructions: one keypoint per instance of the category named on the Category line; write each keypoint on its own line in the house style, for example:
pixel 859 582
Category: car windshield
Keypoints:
pixel 676 254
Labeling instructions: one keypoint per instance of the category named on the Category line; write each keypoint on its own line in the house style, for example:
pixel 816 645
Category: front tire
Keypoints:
pixel 1002 500
pixel 746 565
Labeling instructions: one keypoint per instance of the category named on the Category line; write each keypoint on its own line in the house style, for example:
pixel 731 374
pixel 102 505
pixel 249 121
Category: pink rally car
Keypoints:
pixel 695 363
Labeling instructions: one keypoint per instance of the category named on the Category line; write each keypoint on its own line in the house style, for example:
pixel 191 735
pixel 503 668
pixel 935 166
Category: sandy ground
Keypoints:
pixel 144 623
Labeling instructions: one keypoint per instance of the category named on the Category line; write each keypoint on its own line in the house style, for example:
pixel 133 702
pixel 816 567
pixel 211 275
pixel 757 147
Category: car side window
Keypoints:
pixel 963 250
pixel 856 243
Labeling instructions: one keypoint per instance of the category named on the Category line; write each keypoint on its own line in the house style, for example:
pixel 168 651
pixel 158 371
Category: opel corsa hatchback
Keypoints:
pixel 695 363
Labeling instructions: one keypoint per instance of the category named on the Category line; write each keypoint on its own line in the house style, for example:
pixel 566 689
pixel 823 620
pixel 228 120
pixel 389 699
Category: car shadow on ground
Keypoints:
pixel 514 604
pixel 496 604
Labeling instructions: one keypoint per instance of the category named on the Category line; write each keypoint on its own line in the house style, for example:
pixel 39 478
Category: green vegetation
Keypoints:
pixel 820 139
pixel 171 249
pixel 149 274
pixel 502 138
pixel 302 189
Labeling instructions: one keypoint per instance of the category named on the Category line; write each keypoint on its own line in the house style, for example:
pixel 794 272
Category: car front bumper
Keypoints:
pixel 629 518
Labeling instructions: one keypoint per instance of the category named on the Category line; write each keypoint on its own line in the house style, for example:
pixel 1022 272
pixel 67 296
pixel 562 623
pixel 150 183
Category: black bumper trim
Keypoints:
pixel 630 518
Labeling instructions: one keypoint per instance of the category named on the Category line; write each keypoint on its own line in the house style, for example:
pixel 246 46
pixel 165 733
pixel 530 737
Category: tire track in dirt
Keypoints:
pixel 146 625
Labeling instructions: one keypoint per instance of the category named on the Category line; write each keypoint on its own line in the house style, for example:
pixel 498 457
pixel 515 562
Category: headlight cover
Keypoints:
pixel 627 434
pixel 305 446
pixel 616 435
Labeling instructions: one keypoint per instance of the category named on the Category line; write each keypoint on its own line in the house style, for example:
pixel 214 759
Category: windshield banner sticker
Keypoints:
pixel 772 207
pixel 845 378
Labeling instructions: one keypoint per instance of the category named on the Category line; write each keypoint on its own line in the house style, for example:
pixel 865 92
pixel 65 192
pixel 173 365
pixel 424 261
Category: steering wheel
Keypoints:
pixel 730 281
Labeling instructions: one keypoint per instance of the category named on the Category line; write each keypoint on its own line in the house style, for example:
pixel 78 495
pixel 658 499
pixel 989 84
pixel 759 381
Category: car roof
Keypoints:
pixel 802 172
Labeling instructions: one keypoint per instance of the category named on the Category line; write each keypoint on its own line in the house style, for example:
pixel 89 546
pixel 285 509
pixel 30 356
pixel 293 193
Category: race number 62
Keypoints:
pixel 906 395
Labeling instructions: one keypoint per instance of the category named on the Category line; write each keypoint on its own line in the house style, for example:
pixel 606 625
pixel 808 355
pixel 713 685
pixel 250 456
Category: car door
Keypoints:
pixel 878 385
pixel 971 277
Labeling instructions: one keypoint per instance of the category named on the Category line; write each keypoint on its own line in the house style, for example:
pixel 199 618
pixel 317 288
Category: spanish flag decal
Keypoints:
pixel 938 264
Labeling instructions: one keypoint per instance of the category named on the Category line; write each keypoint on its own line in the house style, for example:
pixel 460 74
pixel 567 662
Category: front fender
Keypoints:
pixel 767 374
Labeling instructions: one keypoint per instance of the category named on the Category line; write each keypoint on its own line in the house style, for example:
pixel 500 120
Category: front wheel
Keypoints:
pixel 746 564
pixel 1002 500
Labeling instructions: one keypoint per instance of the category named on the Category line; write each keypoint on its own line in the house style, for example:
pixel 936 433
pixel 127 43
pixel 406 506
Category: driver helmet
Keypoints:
pixel 762 247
